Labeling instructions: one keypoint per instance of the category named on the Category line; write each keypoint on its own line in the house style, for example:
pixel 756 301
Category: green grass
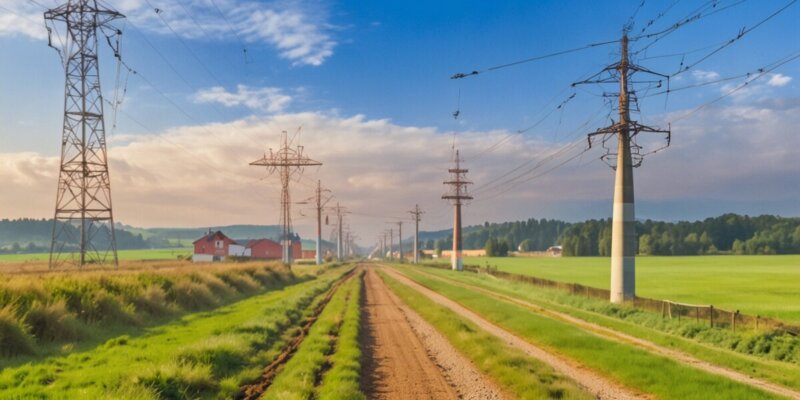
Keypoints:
pixel 652 327
pixel 521 376
pixel 755 285
pixel 202 355
pixel 123 255
pixel 633 367
pixel 300 376
pixel 342 381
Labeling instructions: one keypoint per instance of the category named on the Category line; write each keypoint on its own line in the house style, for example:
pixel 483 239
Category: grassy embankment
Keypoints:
pixel 634 367
pixel 778 355
pixel 521 376
pixel 327 363
pixel 755 285
pixel 202 355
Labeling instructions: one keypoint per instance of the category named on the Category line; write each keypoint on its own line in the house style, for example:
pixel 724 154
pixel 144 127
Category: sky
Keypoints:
pixel 366 88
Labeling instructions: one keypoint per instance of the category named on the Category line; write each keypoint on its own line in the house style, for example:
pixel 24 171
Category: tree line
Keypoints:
pixel 726 234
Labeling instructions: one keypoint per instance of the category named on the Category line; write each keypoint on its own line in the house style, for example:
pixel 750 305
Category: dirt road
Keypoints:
pixel 406 358
pixel 599 385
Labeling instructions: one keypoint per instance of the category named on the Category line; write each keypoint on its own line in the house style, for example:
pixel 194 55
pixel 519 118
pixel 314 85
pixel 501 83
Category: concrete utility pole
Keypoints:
pixel 400 238
pixel 288 162
pixel 458 193
pixel 391 244
pixel 340 212
pixel 628 156
pixel 83 221
pixel 384 245
pixel 320 206
pixel 417 213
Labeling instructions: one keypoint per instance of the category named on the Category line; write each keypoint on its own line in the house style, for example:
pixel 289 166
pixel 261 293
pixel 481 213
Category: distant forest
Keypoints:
pixel 726 234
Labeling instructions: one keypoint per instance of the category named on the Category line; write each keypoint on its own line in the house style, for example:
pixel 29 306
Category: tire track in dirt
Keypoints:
pixel 406 358
pixel 598 385
pixel 255 390
pixel 621 337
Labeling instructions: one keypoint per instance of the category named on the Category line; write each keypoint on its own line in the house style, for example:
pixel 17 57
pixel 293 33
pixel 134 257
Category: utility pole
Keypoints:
pixel 458 194
pixel 320 205
pixel 627 157
pixel 83 198
pixel 384 245
pixel 417 213
pixel 391 244
pixel 400 239
pixel 288 162
pixel 340 212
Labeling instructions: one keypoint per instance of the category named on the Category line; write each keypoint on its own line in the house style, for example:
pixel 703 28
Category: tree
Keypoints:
pixel 525 245
pixel 645 245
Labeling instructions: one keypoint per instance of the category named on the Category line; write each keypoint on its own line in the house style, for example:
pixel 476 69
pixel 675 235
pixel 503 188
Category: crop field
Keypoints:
pixel 755 285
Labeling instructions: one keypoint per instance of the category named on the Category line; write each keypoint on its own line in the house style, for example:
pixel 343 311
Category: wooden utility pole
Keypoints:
pixel 417 213
pixel 320 205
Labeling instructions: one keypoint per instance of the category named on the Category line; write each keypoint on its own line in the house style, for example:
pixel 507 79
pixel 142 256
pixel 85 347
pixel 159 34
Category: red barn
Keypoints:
pixel 265 249
pixel 212 247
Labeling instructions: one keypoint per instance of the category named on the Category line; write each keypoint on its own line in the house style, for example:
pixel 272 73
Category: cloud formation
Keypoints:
pixel 779 80
pixel 726 156
pixel 266 99
pixel 299 31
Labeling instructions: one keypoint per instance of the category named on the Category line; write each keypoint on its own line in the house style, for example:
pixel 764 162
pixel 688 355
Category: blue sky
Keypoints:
pixel 369 83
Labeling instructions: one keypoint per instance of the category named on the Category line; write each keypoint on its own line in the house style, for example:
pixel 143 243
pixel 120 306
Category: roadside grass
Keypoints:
pixel 521 376
pixel 636 368
pixel 755 285
pixel 307 368
pixel 202 355
pixel 53 310
pixel 342 380
pixel 778 364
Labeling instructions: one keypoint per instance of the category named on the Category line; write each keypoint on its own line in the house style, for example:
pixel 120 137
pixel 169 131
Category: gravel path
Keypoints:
pixel 600 386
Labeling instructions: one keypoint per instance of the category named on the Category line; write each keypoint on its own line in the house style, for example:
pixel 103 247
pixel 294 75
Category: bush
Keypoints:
pixel 14 340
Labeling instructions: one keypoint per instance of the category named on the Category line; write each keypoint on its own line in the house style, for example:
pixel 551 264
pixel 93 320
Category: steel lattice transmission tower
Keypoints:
pixel 627 155
pixel 457 194
pixel 289 163
pixel 83 225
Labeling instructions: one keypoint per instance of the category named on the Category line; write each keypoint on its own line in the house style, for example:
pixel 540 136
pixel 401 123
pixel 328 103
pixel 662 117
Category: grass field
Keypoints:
pixel 124 255
pixel 755 285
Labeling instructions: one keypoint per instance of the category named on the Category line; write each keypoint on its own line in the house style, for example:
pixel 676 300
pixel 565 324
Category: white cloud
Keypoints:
pixel 779 80
pixel 705 76
pixel 267 99
pixel 299 31
pixel 200 175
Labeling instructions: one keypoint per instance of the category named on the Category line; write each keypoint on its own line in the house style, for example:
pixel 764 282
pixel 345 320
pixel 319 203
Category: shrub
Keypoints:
pixel 53 322
pixel 14 340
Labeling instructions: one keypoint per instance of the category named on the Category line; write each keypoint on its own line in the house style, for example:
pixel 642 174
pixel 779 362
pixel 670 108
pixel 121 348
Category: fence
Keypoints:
pixel 714 316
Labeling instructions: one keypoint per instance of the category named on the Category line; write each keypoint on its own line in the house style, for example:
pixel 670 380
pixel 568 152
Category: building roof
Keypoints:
pixel 211 236
pixel 254 242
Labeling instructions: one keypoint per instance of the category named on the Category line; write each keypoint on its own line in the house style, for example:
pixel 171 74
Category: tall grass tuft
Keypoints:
pixel 14 340
pixel 192 295
pixel 53 322
pixel 179 380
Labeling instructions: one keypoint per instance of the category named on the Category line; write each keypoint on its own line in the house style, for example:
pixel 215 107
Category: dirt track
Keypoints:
pixel 596 384
pixel 406 358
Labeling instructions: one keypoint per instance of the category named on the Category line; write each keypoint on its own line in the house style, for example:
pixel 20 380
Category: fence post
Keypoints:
pixel 697 314
pixel 733 318
pixel 711 315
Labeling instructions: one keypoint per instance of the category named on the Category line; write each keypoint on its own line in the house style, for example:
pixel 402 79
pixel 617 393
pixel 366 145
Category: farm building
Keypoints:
pixel 214 246
pixel 554 251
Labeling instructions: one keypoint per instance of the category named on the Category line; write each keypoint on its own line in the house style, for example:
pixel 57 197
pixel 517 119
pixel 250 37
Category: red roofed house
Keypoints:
pixel 212 247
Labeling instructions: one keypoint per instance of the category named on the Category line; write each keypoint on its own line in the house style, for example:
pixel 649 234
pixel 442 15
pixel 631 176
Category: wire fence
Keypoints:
pixel 713 316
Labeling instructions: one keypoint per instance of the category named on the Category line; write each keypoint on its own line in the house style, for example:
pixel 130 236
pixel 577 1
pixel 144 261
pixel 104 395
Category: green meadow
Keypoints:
pixel 123 255
pixel 755 285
